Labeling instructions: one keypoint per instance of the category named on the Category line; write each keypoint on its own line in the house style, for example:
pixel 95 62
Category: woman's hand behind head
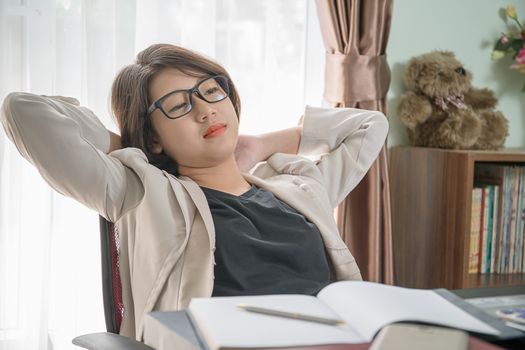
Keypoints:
pixel 248 152
pixel 115 143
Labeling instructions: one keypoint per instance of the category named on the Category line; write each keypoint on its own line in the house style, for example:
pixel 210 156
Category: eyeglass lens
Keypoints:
pixel 211 90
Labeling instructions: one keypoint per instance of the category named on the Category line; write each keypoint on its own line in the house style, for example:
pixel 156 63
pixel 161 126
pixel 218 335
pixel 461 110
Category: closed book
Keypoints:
pixel 520 220
pixel 484 227
pixel 488 230
pixel 475 229
pixel 513 220
pixel 496 215
pixel 506 220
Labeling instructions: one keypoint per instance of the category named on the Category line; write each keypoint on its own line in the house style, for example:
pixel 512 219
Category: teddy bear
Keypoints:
pixel 441 109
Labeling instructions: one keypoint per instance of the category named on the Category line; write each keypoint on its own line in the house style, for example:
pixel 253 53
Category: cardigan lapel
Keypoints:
pixel 173 256
pixel 201 203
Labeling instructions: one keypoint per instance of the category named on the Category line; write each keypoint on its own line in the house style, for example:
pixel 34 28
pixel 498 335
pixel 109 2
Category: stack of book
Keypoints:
pixel 497 220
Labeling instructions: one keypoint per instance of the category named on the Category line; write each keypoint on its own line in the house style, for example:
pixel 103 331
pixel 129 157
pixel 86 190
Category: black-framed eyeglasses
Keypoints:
pixel 178 103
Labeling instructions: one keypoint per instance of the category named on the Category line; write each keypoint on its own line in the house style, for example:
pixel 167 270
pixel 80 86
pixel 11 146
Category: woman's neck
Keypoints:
pixel 225 177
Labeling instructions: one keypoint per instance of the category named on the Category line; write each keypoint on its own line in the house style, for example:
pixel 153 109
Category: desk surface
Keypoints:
pixel 489 292
pixel 174 330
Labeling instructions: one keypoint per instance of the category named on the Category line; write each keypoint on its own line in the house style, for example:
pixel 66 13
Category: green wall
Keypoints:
pixel 469 28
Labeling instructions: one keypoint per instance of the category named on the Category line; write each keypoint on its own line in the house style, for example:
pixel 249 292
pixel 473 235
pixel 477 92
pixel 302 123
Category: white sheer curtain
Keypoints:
pixel 49 246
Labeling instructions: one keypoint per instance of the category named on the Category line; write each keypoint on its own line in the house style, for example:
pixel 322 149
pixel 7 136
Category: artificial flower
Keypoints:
pixel 512 43
pixel 511 12
pixel 520 57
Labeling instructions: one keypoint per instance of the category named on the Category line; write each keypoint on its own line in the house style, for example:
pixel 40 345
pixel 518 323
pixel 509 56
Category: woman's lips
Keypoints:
pixel 216 131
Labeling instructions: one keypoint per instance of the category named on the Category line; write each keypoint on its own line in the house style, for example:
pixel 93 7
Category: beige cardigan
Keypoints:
pixel 167 237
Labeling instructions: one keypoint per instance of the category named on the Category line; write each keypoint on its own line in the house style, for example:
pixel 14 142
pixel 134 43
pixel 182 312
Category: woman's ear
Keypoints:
pixel 156 146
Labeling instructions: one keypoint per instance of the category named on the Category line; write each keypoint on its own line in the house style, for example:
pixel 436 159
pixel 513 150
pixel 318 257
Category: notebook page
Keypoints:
pixel 368 307
pixel 222 324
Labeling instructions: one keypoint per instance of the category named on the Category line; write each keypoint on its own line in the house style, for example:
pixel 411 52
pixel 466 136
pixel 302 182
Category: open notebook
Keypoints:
pixel 365 307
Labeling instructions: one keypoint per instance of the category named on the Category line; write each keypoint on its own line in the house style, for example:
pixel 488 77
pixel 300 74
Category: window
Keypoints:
pixel 49 249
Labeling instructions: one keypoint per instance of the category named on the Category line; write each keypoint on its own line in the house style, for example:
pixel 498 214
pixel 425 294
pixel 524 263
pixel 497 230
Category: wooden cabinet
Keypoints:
pixel 431 195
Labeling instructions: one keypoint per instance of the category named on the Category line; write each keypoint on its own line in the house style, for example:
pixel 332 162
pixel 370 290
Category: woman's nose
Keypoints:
pixel 203 110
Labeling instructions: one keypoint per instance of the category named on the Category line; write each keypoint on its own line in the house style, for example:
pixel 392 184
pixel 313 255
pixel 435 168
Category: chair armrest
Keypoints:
pixel 108 341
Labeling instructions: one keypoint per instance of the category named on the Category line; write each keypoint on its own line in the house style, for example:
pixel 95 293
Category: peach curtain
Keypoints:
pixel 355 35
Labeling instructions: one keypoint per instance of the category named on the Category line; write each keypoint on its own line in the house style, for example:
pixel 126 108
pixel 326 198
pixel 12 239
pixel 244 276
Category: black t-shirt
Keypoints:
pixel 264 246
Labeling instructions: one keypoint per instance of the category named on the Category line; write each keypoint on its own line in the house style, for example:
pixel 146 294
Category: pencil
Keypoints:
pixel 294 315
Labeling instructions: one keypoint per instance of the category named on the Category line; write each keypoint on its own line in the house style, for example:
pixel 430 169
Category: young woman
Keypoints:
pixel 201 211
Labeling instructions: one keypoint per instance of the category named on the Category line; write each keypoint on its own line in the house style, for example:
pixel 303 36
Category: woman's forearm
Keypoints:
pixel 281 141
pixel 114 142
pixel 64 141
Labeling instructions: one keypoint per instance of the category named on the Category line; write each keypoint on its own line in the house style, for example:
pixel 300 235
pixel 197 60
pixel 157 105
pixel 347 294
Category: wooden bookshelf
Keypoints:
pixel 431 194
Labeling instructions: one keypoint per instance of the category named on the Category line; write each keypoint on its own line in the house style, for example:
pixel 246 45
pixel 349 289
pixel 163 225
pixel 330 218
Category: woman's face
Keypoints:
pixel 187 140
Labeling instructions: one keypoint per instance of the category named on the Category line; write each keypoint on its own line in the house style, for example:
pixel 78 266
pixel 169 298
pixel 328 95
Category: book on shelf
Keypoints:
pixel 512 230
pixel 520 219
pixel 362 309
pixel 487 228
pixel 483 229
pixel 475 229
pixel 496 214
pixel 497 240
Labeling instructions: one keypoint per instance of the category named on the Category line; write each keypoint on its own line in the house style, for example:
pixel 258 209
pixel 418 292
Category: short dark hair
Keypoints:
pixel 130 101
